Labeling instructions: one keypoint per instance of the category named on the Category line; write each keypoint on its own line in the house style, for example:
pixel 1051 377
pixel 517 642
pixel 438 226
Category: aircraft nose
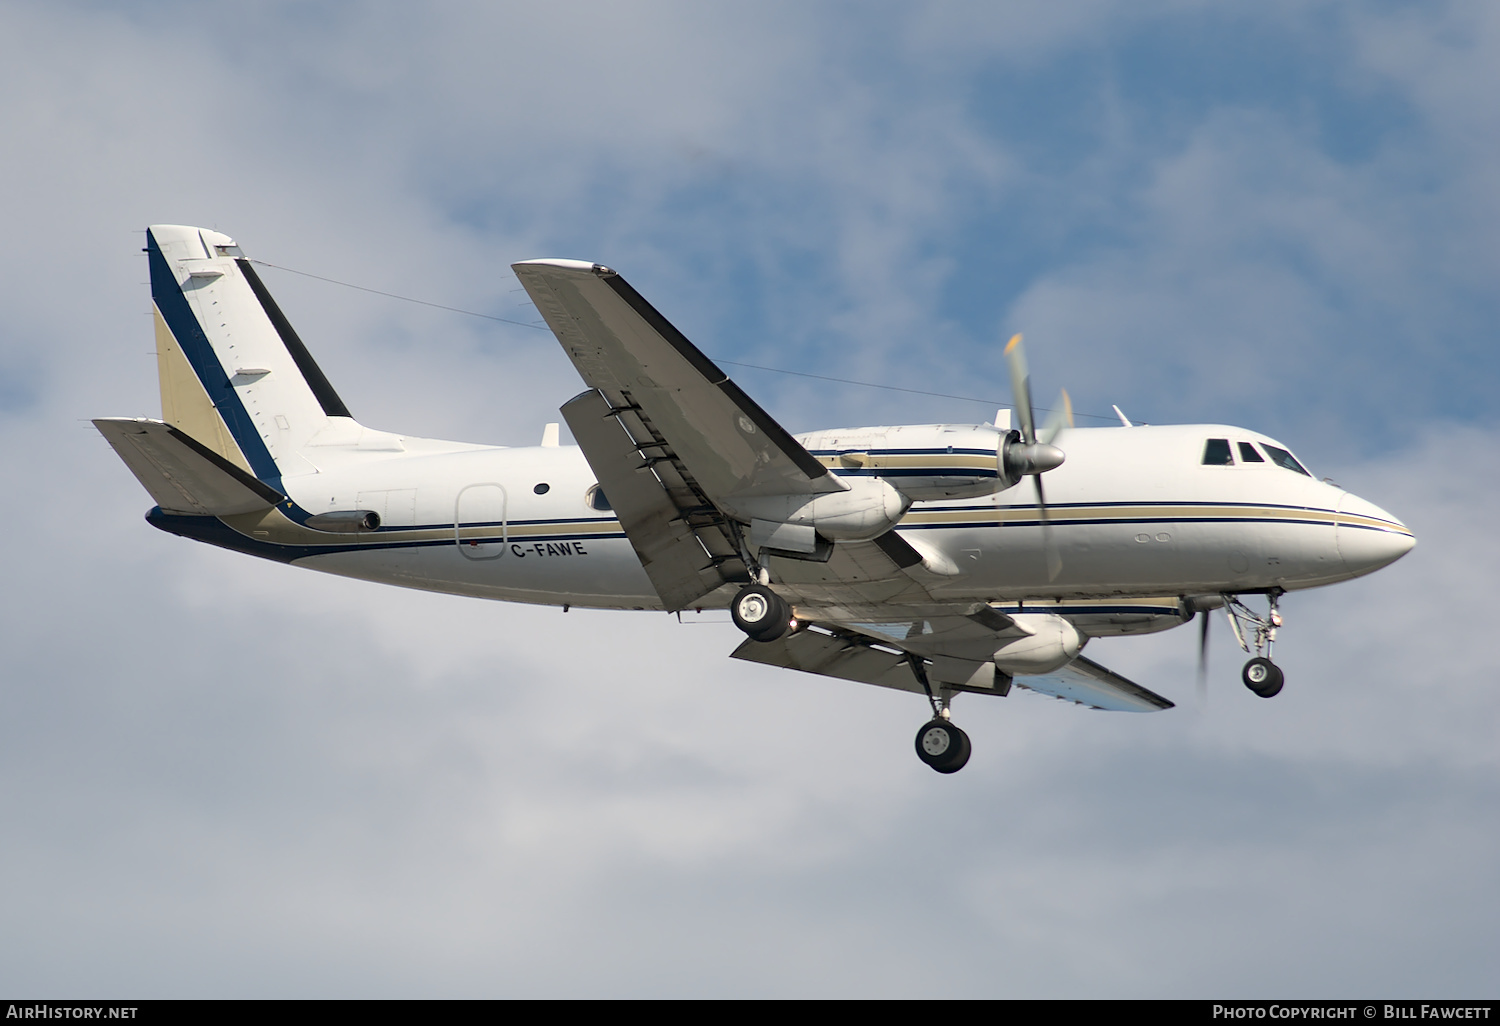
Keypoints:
pixel 1369 537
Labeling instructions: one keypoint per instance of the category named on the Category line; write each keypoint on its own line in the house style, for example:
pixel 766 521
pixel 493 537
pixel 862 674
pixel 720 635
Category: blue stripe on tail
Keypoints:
pixel 183 324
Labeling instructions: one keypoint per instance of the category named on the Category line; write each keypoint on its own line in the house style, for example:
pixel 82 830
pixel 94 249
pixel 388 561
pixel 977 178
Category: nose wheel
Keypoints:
pixel 1260 675
pixel 1263 677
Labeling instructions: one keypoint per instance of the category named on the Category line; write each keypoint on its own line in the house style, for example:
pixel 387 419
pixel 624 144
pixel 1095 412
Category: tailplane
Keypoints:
pixel 183 475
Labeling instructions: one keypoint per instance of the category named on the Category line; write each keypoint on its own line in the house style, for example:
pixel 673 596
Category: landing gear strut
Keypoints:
pixel 1260 674
pixel 940 744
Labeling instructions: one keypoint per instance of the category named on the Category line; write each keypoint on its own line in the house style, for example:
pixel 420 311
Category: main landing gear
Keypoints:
pixel 940 744
pixel 943 746
pixel 761 613
pixel 1260 674
pixel 765 616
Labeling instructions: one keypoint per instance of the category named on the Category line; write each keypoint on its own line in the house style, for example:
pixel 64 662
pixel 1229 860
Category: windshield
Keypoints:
pixel 1282 458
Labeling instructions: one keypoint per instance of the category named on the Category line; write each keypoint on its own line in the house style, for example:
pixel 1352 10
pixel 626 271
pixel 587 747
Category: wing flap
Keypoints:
pixel 627 350
pixel 680 566
pixel 833 655
pixel 183 475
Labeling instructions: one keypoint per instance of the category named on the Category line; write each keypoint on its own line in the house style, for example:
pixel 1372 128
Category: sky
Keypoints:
pixel 221 777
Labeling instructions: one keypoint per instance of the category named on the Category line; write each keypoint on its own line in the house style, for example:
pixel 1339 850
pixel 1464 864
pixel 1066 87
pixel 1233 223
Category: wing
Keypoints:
pixel 874 657
pixel 643 365
pixel 670 437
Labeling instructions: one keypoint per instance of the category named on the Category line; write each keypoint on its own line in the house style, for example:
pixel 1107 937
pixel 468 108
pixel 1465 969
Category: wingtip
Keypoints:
pixel 586 266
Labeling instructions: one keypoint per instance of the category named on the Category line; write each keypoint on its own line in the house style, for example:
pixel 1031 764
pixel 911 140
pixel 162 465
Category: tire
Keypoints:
pixel 943 746
pixel 1263 677
pixel 761 613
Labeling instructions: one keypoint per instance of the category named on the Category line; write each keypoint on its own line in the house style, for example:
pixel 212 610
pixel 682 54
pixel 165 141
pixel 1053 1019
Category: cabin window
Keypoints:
pixel 542 489
pixel 1282 458
pixel 1249 455
pixel 1216 453
pixel 596 499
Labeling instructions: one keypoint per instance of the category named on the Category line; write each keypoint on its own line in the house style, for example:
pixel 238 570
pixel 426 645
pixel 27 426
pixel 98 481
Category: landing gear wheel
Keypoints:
pixel 943 746
pixel 1263 677
pixel 761 613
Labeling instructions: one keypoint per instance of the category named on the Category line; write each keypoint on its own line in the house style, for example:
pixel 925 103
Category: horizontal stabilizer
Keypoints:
pixel 182 475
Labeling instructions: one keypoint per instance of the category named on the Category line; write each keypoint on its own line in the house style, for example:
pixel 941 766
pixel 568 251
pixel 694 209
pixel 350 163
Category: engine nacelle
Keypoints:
pixel 869 508
pixel 926 462
pixel 1051 643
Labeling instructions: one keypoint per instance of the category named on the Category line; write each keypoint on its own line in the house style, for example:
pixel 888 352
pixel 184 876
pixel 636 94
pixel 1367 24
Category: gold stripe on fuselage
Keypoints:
pixel 937 462
pixel 275 527
pixel 1141 513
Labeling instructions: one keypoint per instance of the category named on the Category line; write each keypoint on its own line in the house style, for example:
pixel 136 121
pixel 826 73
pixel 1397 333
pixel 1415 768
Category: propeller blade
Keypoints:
pixel 1049 546
pixel 1020 383
pixel 1060 417
pixel 1032 457
pixel 1203 656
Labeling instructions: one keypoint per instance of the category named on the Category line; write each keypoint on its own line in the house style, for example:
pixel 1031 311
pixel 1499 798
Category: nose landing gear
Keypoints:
pixel 1260 675
pixel 1263 677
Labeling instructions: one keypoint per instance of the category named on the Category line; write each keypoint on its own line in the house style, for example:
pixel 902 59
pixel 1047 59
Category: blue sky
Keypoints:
pixel 222 777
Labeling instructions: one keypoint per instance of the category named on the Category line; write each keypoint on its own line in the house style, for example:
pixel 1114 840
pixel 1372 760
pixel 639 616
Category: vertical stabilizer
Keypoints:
pixel 234 375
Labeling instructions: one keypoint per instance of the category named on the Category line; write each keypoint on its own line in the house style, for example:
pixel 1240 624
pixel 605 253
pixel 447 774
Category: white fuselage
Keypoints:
pixel 1134 512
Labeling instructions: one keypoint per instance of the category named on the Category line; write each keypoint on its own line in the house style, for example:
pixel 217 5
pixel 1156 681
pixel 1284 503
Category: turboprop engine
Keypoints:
pixel 885 469
pixel 1051 643
pixel 1047 643
pixel 928 462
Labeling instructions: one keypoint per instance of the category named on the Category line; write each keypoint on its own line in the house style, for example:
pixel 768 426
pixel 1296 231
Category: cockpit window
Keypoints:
pixel 1248 454
pixel 1216 453
pixel 1282 458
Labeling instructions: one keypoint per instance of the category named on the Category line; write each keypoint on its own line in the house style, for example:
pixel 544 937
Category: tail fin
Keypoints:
pixel 234 375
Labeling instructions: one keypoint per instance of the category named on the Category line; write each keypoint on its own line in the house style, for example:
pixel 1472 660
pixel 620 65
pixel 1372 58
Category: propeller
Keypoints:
pixel 1204 616
pixel 1035 454
pixel 1203 606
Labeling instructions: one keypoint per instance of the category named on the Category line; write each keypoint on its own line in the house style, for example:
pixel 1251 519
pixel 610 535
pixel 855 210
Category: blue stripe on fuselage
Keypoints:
pixel 215 532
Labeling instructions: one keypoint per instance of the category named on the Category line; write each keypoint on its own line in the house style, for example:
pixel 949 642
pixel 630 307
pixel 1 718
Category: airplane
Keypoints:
pixel 909 557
